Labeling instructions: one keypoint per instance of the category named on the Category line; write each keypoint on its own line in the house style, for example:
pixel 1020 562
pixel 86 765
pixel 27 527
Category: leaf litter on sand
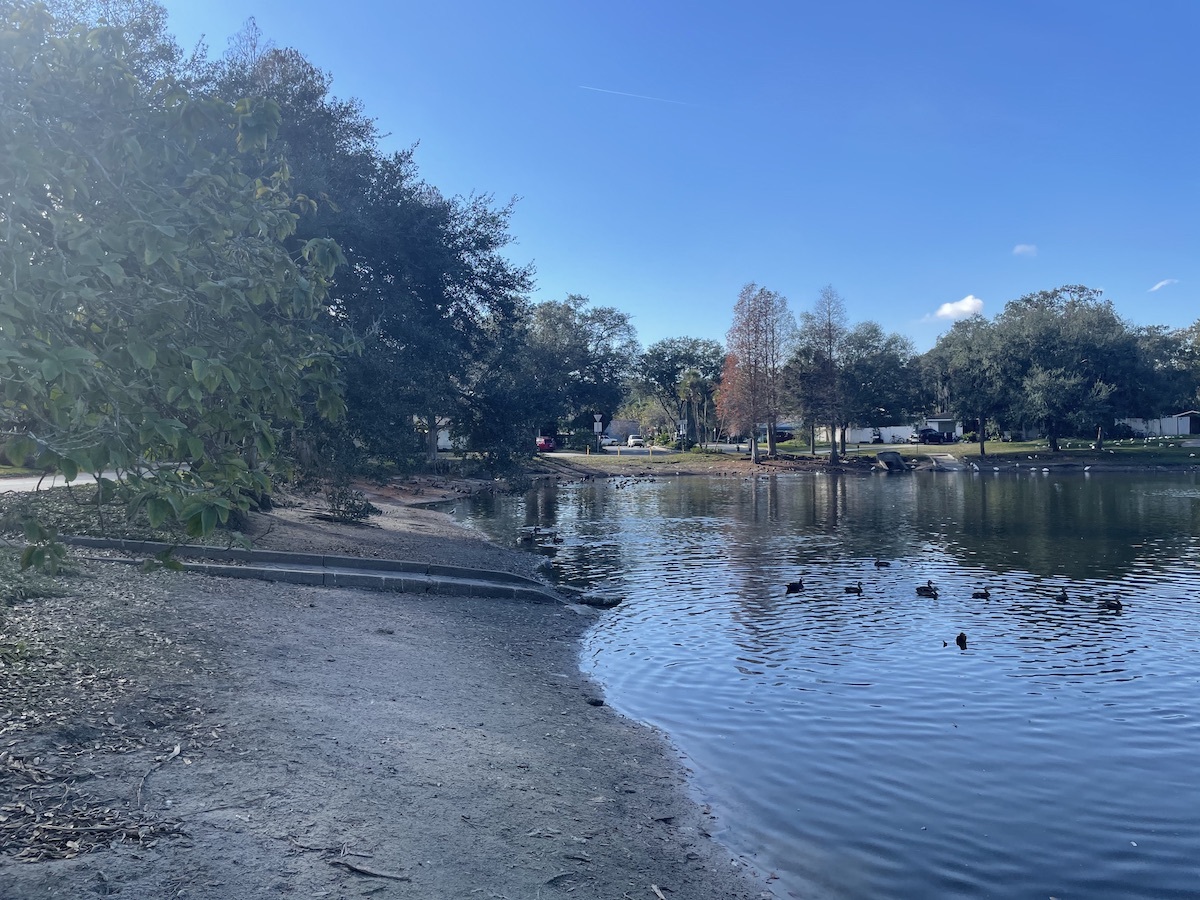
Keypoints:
pixel 69 696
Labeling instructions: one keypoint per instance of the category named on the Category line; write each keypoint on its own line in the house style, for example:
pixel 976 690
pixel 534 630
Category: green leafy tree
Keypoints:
pixel 428 292
pixel 1076 364
pixel 968 360
pixel 683 374
pixel 697 393
pixel 150 51
pixel 818 365
pixel 583 357
pixel 880 377
pixel 801 382
pixel 1171 360
pixel 152 320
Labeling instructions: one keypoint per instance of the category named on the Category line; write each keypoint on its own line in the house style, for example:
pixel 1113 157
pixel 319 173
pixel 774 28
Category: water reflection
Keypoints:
pixel 1073 526
pixel 850 739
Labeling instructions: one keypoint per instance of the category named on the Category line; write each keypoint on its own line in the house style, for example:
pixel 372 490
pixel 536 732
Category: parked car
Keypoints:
pixel 781 436
pixel 607 441
pixel 926 436
pixel 635 440
pixel 545 443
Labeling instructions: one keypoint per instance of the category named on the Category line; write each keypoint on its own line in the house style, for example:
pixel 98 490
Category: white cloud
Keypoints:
pixel 963 309
pixel 1025 250
pixel 1166 282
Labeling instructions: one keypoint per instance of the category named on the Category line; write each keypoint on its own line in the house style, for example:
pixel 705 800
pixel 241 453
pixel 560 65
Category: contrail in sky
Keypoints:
pixel 584 87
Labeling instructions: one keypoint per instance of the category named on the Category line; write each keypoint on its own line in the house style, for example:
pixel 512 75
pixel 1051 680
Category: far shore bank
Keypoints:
pixel 568 467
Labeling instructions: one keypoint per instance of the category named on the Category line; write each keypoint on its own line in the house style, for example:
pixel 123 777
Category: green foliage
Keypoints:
pixel 880 377
pixel 153 323
pixel 428 293
pixel 348 505
pixel 23 583
pixel 43 551
pixel 683 375
pixel 1062 361
pixel 581 356
pixel 966 366
pixel 162 560
pixel 90 510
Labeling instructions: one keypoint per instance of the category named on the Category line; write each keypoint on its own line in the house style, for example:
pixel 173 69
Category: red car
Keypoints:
pixel 545 444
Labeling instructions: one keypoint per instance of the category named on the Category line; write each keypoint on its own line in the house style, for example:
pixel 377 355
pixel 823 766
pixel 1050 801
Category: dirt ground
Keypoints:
pixel 166 735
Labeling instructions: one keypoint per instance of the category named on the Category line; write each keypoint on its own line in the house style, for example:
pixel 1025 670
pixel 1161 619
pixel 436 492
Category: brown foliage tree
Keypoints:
pixel 758 343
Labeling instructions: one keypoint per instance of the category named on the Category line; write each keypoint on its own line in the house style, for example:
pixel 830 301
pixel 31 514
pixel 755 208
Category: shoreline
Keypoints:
pixel 252 740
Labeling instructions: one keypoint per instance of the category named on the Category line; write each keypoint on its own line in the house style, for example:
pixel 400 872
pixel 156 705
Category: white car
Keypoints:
pixel 607 441
pixel 635 440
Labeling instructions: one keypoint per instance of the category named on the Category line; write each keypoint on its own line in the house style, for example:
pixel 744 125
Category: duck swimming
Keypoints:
pixel 981 595
pixel 793 587
pixel 1061 596
pixel 853 589
pixel 927 589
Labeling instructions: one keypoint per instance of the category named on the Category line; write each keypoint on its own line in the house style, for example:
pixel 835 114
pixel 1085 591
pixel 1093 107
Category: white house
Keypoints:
pixel 1180 423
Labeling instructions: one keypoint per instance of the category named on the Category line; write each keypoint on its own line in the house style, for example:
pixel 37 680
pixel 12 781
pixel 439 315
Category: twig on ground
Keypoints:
pixel 309 848
pixel 154 768
pixel 363 870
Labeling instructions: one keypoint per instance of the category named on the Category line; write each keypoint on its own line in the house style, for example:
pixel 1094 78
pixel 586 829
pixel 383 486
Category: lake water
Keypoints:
pixel 845 741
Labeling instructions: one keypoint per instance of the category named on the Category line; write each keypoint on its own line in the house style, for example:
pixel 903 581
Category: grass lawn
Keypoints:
pixel 1131 452
pixel 15 471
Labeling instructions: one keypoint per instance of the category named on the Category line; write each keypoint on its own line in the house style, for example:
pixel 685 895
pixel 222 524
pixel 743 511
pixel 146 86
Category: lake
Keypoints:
pixel 844 740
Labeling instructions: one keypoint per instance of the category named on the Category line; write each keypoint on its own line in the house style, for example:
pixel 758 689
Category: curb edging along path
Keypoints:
pixel 338 571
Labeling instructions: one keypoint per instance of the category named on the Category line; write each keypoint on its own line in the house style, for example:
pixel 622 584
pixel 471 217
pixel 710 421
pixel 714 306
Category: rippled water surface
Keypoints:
pixel 844 739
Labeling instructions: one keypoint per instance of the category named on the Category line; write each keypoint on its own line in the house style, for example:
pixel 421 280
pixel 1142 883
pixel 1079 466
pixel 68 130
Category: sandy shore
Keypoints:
pixel 165 735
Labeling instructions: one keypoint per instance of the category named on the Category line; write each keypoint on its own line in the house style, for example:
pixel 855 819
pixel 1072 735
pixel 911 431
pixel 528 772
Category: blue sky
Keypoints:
pixel 913 155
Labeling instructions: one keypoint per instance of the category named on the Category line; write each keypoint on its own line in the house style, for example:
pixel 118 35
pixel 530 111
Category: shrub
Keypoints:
pixel 346 504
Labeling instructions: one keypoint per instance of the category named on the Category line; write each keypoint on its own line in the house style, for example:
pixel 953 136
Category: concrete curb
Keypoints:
pixel 339 571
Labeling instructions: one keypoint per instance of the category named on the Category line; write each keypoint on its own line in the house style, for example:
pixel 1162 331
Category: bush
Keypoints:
pixel 347 504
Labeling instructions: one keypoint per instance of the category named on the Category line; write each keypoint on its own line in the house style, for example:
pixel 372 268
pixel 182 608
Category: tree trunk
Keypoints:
pixel 431 439
pixel 753 447
pixel 771 436
pixel 845 428
pixel 833 444
pixel 1099 437
pixel 812 437
pixel 982 436
pixel 1053 438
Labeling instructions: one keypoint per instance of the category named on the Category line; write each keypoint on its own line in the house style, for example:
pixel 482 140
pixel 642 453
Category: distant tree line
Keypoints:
pixel 1056 363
